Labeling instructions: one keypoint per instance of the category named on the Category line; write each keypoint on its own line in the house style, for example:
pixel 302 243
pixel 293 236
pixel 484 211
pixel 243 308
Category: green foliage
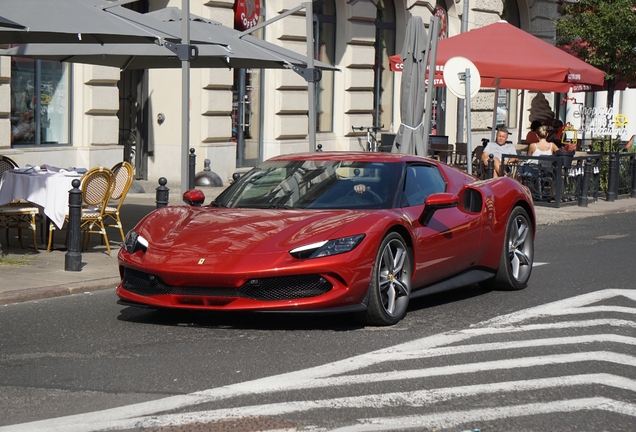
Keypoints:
pixel 608 144
pixel 602 33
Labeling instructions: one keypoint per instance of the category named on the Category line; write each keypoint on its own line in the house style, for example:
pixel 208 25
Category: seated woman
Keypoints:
pixel 542 147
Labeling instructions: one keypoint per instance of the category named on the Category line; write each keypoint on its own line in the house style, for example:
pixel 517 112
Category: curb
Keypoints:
pixel 18 296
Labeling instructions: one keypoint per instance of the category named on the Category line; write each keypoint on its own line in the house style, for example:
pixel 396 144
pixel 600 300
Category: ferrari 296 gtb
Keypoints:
pixel 332 232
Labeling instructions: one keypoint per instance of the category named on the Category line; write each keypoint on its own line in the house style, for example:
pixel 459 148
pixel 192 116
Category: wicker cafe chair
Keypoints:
pixel 17 215
pixel 6 164
pixel 96 187
pixel 123 175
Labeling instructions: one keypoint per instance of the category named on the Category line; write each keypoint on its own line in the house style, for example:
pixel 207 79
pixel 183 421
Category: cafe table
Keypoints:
pixel 46 188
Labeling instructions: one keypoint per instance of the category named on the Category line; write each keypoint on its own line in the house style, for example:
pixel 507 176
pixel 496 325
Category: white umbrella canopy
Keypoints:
pixel 147 56
pixel 69 21
pixel 241 47
pixel 410 136
pixel 214 46
pixel 10 24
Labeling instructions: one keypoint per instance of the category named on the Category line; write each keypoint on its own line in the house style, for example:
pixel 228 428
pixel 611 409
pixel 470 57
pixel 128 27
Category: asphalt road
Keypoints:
pixel 556 356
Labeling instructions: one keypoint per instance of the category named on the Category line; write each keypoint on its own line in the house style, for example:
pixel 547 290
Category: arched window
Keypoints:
pixel 383 77
pixel 325 51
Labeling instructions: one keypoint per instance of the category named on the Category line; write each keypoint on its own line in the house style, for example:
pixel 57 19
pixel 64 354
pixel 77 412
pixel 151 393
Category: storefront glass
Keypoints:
pixel 39 118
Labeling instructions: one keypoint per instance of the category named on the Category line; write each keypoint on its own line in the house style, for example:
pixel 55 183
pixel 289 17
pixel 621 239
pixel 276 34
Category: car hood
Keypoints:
pixel 245 231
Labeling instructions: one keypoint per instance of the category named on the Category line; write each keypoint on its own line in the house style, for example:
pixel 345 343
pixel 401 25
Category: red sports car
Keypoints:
pixel 332 232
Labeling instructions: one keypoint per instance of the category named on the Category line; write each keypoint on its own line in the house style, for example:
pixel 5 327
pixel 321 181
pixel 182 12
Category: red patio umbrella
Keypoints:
pixel 515 58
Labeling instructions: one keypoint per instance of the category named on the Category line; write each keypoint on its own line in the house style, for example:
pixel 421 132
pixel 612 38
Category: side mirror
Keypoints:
pixel 194 197
pixel 436 202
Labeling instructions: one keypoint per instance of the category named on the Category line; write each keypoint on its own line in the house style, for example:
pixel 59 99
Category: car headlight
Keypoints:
pixel 135 242
pixel 327 247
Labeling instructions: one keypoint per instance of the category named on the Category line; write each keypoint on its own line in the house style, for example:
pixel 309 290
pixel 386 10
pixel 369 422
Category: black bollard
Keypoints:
pixel 633 178
pixel 490 169
pixel 192 167
pixel 585 187
pixel 319 148
pixel 612 185
pixel 73 257
pixel 162 194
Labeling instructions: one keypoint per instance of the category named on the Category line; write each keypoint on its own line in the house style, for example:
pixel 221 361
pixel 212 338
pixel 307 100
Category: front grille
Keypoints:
pixel 267 289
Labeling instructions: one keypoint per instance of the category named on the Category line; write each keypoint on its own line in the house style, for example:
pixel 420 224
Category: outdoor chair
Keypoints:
pixel 460 156
pixel 540 178
pixel 18 214
pixel 6 164
pixel 479 169
pixel 123 178
pixel 96 186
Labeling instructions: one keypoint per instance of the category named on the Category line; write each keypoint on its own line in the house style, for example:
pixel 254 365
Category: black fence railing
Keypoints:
pixel 557 180
pixel 617 178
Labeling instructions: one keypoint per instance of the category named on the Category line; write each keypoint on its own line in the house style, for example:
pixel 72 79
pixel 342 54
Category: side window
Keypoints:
pixel 421 181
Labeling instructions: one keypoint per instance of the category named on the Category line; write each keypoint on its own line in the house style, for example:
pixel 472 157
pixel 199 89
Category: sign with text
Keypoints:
pixel 246 14
pixel 601 121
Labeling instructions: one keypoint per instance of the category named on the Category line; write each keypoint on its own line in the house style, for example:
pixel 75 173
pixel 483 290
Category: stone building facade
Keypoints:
pixel 355 38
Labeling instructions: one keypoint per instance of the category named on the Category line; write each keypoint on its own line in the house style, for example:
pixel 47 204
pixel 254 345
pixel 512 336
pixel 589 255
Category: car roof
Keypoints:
pixel 354 157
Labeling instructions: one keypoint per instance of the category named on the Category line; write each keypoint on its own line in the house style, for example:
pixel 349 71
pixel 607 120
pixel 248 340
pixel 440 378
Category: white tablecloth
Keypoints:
pixel 47 190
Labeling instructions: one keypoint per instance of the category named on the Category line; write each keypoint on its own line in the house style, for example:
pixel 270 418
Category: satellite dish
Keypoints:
pixel 455 70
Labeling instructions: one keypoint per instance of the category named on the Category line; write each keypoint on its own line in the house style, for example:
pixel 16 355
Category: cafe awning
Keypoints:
pixel 516 59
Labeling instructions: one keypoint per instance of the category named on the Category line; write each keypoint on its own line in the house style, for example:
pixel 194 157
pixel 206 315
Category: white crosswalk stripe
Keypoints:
pixel 418 361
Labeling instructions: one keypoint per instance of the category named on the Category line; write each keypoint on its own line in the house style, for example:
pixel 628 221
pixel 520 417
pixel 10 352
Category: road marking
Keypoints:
pixel 420 398
pixel 452 419
pixel 335 373
pixel 539 264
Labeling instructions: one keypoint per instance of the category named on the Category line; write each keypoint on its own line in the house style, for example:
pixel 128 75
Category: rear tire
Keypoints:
pixel 517 254
pixel 390 287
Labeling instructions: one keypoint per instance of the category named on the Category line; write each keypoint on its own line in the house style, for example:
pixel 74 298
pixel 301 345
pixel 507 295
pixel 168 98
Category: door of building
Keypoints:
pixel 246 118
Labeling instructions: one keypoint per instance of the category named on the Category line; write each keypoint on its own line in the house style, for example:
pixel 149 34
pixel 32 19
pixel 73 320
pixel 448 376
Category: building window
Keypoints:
pixel 325 51
pixel 44 117
pixel 507 108
pixel 384 47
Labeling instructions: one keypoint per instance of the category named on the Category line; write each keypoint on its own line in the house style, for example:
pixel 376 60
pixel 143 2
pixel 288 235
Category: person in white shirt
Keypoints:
pixel 498 148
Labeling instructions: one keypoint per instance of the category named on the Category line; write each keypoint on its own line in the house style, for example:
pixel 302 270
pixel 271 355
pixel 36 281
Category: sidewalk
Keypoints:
pixel 37 275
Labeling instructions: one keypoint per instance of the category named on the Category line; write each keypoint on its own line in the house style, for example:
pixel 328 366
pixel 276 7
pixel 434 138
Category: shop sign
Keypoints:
pixel 601 121
pixel 443 22
pixel 246 14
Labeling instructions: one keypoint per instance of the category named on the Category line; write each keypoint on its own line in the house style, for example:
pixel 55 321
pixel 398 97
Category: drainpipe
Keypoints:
pixel 460 102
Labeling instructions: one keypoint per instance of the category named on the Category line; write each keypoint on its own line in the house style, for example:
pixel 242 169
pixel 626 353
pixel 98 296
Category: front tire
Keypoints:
pixel 390 288
pixel 517 255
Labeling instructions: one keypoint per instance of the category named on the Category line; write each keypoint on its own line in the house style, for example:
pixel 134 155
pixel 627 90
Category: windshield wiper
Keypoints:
pixel 217 204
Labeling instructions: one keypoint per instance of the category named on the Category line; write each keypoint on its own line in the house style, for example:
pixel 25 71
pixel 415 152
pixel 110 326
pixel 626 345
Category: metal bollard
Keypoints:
pixel 192 167
pixel 490 169
pixel 585 187
pixel 612 185
pixel 73 257
pixel 633 178
pixel 162 193
pixel 319 148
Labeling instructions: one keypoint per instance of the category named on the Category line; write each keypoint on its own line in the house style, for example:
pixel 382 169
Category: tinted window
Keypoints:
pixel 421 181
pixel 314 184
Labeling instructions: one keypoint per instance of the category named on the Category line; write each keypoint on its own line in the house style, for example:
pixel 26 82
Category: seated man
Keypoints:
pixel 498 148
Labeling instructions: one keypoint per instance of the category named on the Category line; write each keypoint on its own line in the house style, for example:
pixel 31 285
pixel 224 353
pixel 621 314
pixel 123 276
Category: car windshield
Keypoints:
pixel 314 184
